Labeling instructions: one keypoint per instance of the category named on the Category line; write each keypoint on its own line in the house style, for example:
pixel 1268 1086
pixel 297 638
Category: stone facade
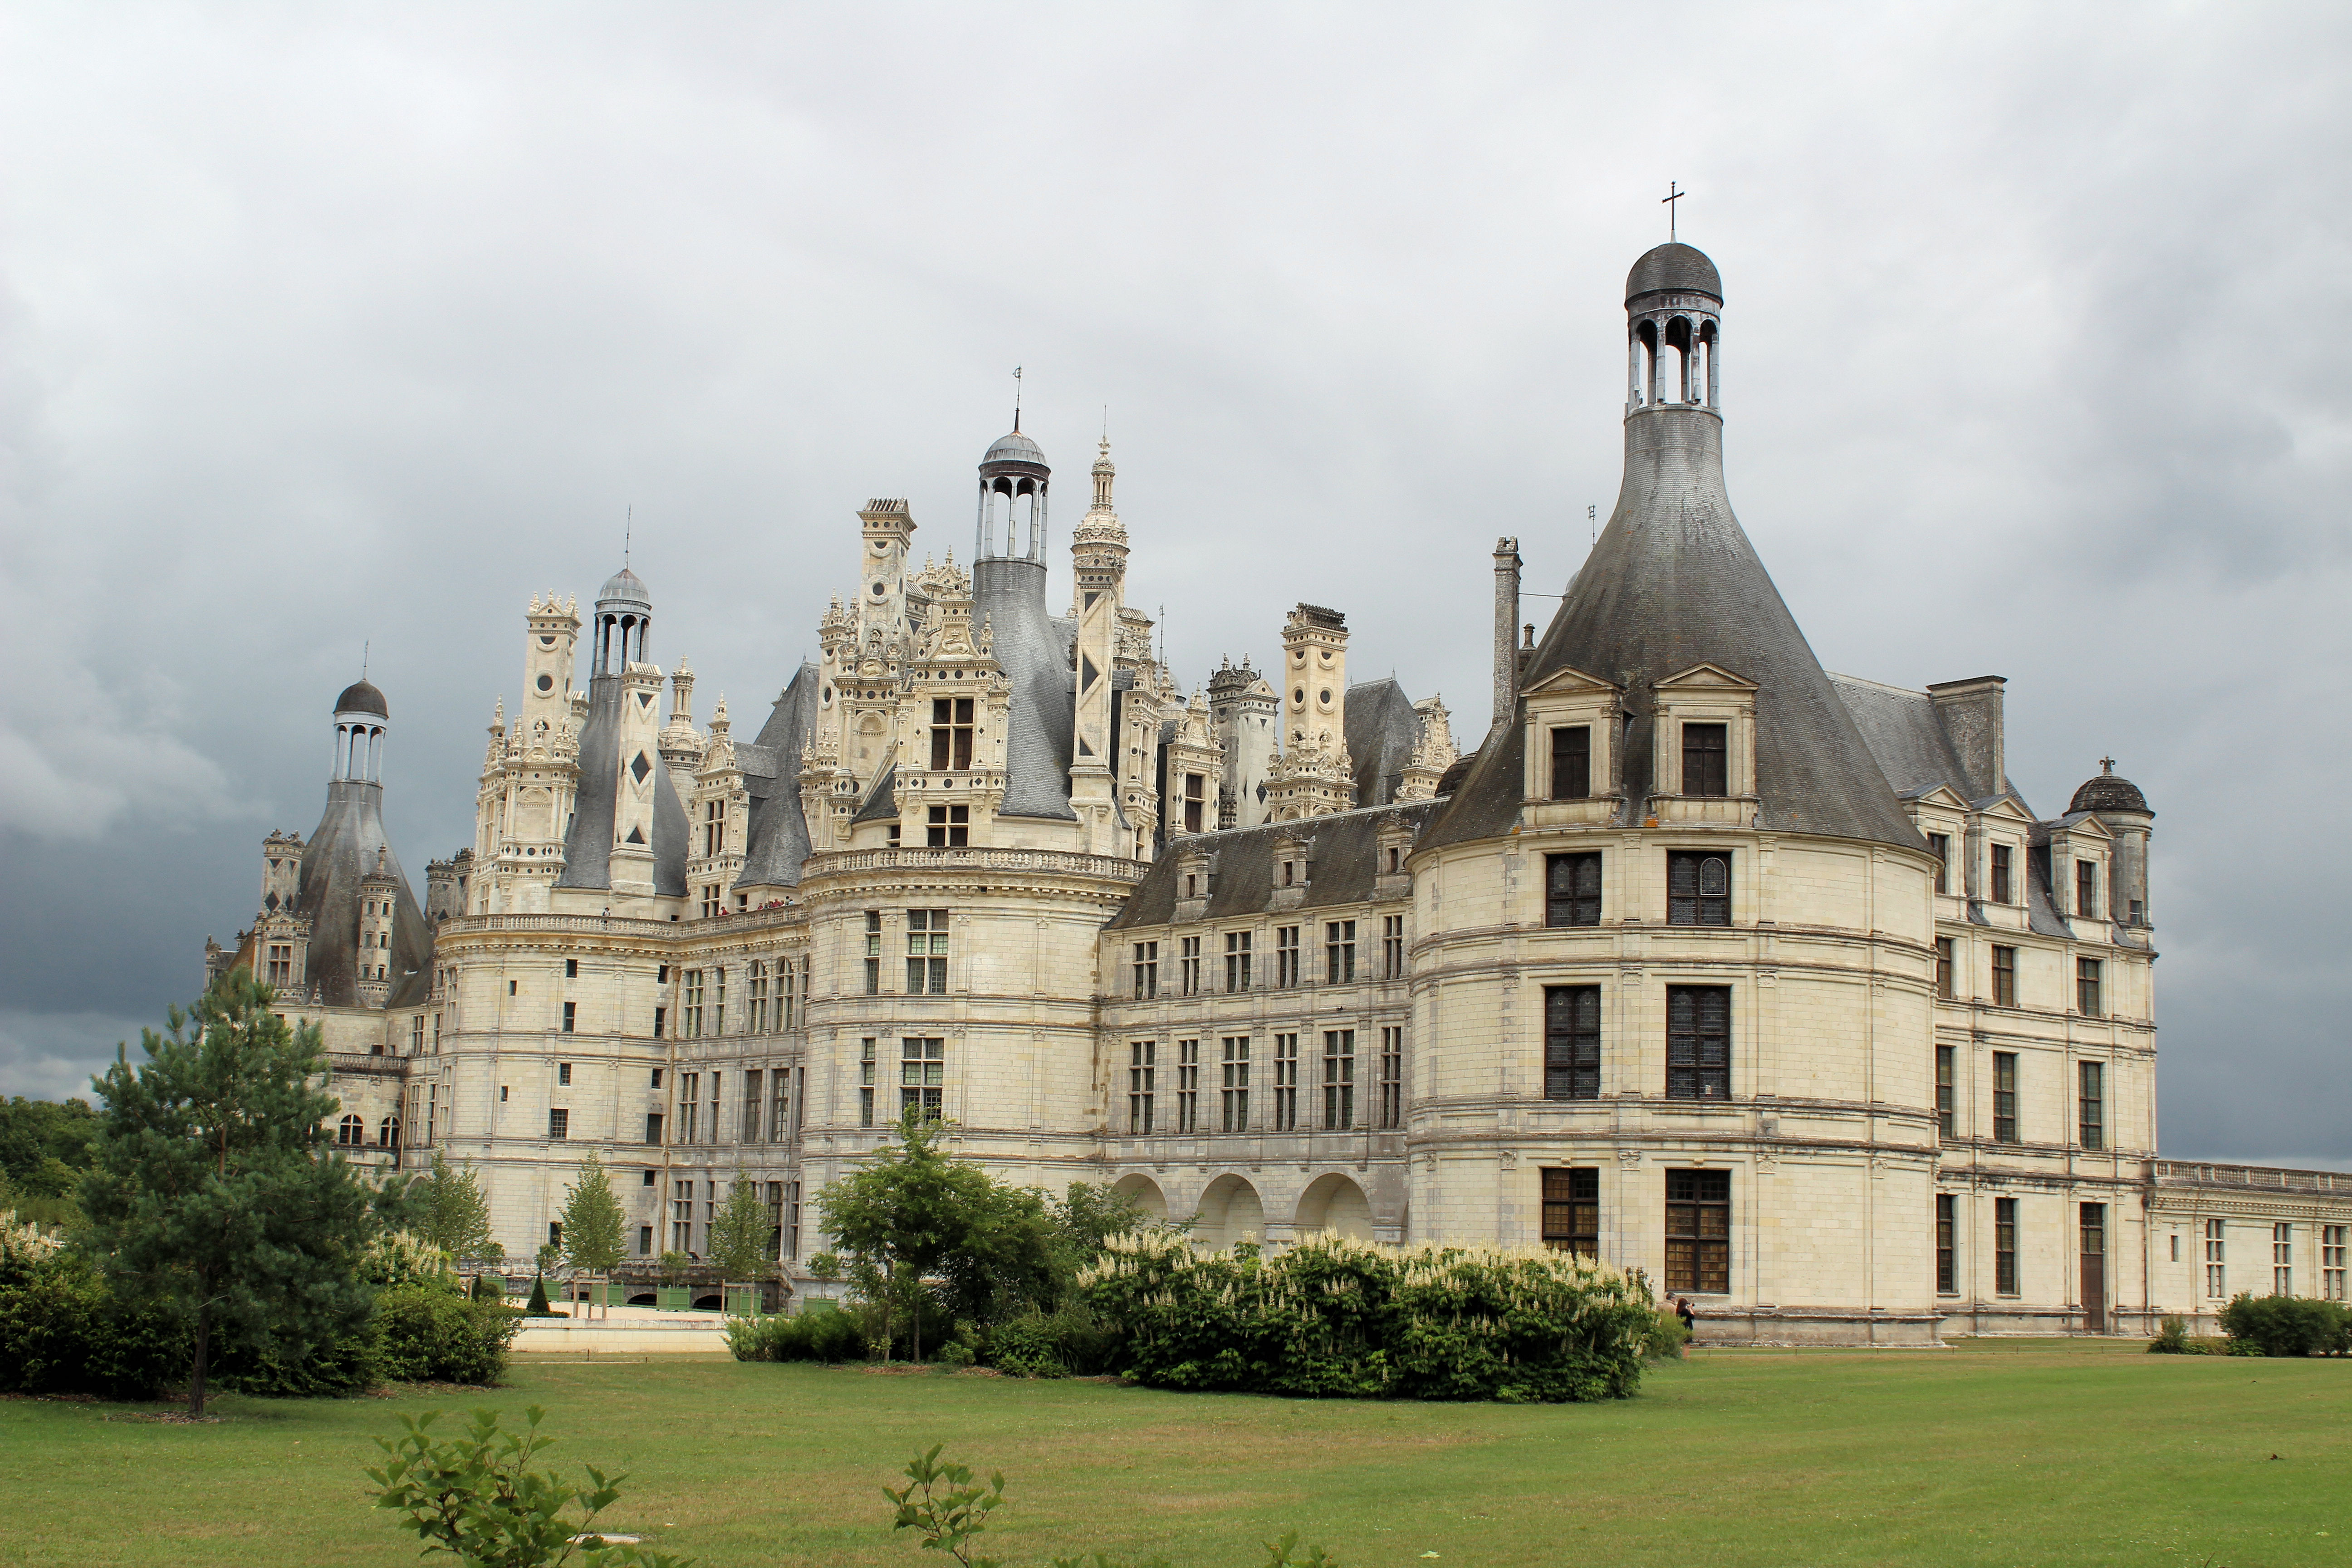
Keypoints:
pixel 1763 981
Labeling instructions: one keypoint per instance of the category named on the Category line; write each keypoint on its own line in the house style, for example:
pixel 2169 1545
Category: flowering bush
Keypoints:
pixel 1336 1317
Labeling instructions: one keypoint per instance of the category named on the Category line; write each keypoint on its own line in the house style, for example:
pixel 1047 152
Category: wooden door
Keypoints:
pixel 2094 1269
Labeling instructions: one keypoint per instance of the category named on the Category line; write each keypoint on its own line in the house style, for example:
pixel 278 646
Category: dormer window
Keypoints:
pixel 1193 800
pixel 2002 880
pixel 2086 888
pixel 951 730
pixel 1571 761
pixel 1939 845
pixel 1705 761
pixel 1290 873
pixel 1193 886
pixel 948 827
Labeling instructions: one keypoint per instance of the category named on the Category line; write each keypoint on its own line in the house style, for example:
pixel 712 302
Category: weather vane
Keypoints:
pixel 1667 200
pixel 1017 398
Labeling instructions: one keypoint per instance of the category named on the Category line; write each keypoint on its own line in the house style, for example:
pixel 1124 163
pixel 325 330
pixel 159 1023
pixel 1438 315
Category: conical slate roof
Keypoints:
pixel 1674 582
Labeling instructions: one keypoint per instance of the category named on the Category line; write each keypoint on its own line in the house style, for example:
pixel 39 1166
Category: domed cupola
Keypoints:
pixel 625 619
pixel 2109 792
pixel 1012 483
pixel 1673 302
pixel 361 697
pixel 362 716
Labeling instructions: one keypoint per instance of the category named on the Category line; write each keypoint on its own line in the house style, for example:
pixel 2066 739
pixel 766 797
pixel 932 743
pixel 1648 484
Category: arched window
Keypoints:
pixel 388 1134
pixel 351 1130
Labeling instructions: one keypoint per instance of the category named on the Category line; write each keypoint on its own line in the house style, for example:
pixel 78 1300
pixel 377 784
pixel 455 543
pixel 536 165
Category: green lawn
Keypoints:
pixel 1995 1454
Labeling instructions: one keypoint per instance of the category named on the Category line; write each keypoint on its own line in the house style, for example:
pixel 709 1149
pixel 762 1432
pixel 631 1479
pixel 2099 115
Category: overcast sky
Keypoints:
pixel 329 324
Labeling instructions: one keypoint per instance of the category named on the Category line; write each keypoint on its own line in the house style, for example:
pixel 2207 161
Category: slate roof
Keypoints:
pixel 1381 731
pixel 1342 864
pixel 2108 792
pixel 588 848
pixel 1036 650
pixel 1678 268
pixel 341 851
pixel 881 802
pixel 361 697
pixel 777 840
pixel 1673 583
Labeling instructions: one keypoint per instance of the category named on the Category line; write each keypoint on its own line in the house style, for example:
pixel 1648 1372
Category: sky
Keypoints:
pixel 331 327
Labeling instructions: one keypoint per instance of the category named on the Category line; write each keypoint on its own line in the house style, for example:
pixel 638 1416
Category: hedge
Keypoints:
pixel 806 1336
pixel 1336 1317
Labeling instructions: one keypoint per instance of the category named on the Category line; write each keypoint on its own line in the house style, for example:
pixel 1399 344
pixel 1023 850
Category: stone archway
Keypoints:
pixel 1145 1192
pixel 1230 1212
pixel 1335 1204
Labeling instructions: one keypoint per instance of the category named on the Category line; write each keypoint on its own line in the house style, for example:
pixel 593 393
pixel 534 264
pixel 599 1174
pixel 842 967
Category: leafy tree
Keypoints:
pixel 34 1132
pixel 739 1234
pixel 449 1209
pixel 216 1189
pixel 911 1212
pixel 593 1220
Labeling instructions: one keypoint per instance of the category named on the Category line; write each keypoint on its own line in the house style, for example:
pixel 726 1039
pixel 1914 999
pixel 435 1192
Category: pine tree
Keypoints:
pixel 451 1210
pixel 215 1188
pixel 593 1220
pixel 739 1233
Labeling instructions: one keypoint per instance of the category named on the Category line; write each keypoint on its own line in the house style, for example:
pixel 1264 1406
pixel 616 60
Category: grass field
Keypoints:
pixel 2003 1454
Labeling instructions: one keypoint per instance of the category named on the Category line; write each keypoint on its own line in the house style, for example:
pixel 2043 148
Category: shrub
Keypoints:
pixel 953 1356
pixel 2171 1338
pixel 809 1336
pixel 285 1368
pixel 538 1307
pixel 2286 1326
pixel 62 1332
pixel 1333 1317
pixel 1074 1340
pixel 477 1499
pixel 430 1334
pixel 1665 1338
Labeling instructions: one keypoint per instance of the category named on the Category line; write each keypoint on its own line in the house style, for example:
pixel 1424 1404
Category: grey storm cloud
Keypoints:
pixel 322 326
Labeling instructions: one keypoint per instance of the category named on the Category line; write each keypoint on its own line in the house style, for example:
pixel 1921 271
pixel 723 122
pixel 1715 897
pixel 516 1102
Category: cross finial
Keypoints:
pixel 363 653
pixel 1674 193
pixel 1016 399
pixel 2106 764
pixel 628 528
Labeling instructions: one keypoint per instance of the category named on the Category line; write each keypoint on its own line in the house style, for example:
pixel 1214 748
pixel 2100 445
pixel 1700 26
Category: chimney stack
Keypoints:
pixel 1507 620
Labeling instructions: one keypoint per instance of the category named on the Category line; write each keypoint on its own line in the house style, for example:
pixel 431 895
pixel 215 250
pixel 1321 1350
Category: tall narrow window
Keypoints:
pixel 1947 1101
pixel 1698 1231
pixel 1705 770
pixel 1188 1086
pixel 1571 1042
pixel 563 1074
pixel 865 1067
pixel 1338 952
pixel 1338 1079
pixel 1285 956
pixel 1944 968
pixel 694 1004
pixel 873 953
pixel 2001 880
pixel 1392 1076
pixel 754 1081
pixel 947 827
pixel 1572 889
pixel 689 1106
pixel 2087 998
pixel 1571 1211
pixel 950 734
pixel 1698 1042
pixel 922 1074
pixel 1939 845
pixel 927 953
pixel 2091 1103
pixel 1237 961
pixel 780 1105
pixel 1194 800
pixel 1142 1068
pixel 681 1217
pixel 1947 1245
pixel 716 1080
pixel 1188 966
pixel 1147 971
pixel 661 1021
pixel 1234 1106
pixel 653 1126
pixel 2004 977
pixel 755 1000
pixel 281 964
pixel 1571 761
pixel 1698 889
pixel 2216 1260
pixel 2331 1240
pixel 2282 1259
pixel 1286 1083
pixel 2004 1097
pixel 1392 947
pixel 2086 888
pixel 559 1124
pixel 2004 1247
